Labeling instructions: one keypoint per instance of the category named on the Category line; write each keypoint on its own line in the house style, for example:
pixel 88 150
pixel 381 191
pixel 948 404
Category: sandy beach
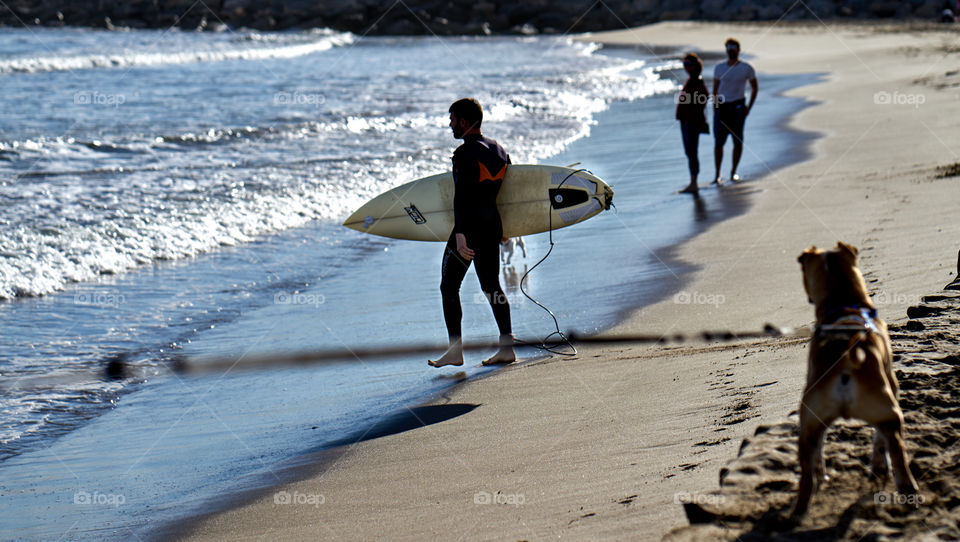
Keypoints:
pixel 607 445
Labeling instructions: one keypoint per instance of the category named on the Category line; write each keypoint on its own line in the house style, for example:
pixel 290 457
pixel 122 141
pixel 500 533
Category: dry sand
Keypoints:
pixel 758 488
pixel 604 445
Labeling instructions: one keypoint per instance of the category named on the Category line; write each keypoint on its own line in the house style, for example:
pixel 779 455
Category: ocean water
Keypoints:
pixel 179 194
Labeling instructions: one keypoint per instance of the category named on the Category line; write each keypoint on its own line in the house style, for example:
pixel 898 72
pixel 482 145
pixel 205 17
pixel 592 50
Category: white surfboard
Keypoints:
pixel 532 199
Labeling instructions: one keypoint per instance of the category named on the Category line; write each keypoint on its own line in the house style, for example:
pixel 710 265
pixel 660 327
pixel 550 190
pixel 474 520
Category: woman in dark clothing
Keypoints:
pixel 691 104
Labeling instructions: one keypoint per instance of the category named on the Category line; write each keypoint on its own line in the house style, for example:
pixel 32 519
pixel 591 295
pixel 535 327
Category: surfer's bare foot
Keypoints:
pixel 717 180
pixel 453 356
pixel 690 189
pixel 734 177
pixel 505 354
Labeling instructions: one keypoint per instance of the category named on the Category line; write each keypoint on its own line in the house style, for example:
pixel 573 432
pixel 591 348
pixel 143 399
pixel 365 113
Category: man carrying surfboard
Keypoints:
pixel 479 166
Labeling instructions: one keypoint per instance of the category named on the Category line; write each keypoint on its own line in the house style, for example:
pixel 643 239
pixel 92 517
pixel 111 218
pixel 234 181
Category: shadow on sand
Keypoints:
pixel 406 420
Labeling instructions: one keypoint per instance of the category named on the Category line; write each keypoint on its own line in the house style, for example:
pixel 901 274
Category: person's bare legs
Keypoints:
pixel 717 162
pixel 737 153
pixel 692 187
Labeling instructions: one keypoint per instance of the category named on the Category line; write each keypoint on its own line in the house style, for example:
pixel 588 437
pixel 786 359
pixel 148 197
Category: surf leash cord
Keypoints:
pixel 562 341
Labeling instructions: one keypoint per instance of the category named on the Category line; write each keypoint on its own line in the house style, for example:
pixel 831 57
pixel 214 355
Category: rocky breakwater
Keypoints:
pixel 443 17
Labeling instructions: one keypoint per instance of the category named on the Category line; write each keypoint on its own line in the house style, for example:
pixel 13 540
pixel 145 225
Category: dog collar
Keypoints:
pixel 852 319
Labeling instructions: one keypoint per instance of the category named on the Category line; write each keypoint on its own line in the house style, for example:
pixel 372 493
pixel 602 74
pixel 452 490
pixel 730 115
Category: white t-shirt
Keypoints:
pixel 733 80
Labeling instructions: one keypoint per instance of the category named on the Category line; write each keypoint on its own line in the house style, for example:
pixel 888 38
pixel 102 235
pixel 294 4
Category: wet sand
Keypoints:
pixel 606 445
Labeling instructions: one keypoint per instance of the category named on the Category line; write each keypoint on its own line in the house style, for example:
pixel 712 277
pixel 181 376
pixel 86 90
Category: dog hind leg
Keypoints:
pixel 879 465
pixel 821 475
pixel 812 430
pixel 893 434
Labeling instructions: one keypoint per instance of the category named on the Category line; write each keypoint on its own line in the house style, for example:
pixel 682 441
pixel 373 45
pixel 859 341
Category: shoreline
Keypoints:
pixel 600 446
pixel 199 439
pixel 868 179
pixel 302 468
pixel 606 445
pixel 711 207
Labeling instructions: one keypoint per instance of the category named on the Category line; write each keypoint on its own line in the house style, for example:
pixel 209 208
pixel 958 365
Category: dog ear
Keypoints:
pixel 849 249
pixel 806 254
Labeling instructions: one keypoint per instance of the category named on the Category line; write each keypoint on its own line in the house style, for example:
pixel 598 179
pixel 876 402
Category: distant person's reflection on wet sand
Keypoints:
pixel 700 213
pixel 512 277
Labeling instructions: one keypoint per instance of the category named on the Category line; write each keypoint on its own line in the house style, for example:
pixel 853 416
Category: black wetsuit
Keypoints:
pixel 479 166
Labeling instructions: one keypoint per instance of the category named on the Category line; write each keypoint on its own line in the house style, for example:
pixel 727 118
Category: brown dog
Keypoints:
pixel 849 372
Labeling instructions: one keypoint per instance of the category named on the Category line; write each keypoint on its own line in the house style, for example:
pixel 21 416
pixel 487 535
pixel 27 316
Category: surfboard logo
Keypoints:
pixel 415 214
pixel 561 198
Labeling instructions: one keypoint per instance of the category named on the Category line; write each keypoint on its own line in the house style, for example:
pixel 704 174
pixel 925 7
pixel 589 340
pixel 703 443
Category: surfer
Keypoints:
pixel 479 166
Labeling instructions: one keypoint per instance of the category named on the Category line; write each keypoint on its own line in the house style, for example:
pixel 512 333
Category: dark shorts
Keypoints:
pixel 728 119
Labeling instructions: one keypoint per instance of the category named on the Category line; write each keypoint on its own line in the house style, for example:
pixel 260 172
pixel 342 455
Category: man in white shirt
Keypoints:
pixel 730 111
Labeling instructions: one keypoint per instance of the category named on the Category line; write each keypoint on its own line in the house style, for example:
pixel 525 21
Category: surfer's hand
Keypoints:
pixel 462 247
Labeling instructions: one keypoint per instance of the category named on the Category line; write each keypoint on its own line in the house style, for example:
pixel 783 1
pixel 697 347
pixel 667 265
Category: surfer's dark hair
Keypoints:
pixel 468 109
pixel 731 41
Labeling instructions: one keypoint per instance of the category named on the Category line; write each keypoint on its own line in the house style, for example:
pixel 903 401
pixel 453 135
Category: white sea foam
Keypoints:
pixel 79 209
pixel 158 52
pixel 169 175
